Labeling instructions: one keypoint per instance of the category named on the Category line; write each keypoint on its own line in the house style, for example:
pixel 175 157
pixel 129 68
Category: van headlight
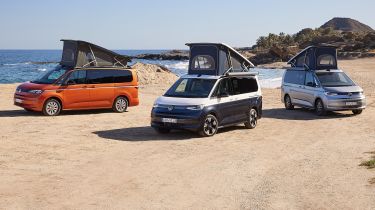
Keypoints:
pixel 195 107
pixel 156 105
pixel 330 94
pixel 37 92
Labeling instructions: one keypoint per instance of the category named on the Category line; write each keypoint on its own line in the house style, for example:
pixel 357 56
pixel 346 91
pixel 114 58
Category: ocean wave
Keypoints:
pixel 42 69
pixel 183 65
pixel 16 64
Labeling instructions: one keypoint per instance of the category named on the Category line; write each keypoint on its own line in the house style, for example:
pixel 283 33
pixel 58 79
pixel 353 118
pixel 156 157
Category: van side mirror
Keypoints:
pixel 224 94
pixel 311 84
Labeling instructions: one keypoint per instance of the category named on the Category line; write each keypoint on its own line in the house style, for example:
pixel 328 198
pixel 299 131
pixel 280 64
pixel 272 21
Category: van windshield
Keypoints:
pixel 191 88
pixel 51 76
pixel 334 79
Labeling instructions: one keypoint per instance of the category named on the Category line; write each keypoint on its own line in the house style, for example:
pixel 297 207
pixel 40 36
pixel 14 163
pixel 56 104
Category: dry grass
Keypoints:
pixel 369 163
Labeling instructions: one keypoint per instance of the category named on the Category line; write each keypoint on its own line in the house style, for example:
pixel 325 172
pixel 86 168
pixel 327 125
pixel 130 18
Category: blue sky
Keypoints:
pixel 164 24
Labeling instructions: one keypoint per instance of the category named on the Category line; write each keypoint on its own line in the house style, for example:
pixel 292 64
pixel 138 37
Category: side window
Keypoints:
pixel 244 85
pixel 237 66
pixel 224 87
pixel 203 62
pixel 295 77
pixel 99 76
pixel 300 60
pixel 120 76
pixel 182 86
pixel 326 60
pixel 77 77
pixel 310 80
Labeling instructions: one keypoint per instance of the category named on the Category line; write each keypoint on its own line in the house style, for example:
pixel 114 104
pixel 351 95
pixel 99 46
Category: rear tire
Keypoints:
pixel 319 108
pixel 210 126
pixel 252 119
pixel 52 107
pixel 162 130
pixel 357 111
pixel 120 104
pixel 288 103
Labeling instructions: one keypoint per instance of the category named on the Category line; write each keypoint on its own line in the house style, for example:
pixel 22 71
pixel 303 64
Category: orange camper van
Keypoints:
pixel 88 77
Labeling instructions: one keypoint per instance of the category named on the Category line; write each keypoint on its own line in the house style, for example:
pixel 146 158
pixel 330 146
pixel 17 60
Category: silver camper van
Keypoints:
pixel 314 81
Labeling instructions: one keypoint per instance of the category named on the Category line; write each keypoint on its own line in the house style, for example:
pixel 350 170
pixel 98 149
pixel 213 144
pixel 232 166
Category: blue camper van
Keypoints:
pixel 219 90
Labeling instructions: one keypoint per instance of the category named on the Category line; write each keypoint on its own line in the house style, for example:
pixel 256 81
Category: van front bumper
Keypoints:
pixel 28 101
pixel 346 104
pixel 178 121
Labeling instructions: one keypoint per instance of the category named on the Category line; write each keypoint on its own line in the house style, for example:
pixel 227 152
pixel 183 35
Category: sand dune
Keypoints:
pixel 104 160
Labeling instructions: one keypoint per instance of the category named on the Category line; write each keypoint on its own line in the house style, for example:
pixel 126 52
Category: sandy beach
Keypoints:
pixel 105 160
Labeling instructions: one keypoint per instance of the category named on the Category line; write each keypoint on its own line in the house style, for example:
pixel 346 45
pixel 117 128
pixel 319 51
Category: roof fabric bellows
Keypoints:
pixel 80 54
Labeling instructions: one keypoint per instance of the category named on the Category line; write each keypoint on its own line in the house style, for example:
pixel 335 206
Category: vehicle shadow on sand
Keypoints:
pixel 301 114
pixel 145 133
pixel 23 113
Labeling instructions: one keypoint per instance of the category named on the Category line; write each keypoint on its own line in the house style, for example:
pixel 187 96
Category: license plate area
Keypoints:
pixel 351 103
pixel 168 120
pixel 17 100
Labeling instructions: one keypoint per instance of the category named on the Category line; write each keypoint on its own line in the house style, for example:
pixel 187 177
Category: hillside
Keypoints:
pixel 347 25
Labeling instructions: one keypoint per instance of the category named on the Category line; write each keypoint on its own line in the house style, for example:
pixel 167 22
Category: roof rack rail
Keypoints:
pixel 238 74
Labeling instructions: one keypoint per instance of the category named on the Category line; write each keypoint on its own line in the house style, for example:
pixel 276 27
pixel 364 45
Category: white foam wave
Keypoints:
pixel 270 83
pixel 16 64
pixel 42 70
pixel 183 65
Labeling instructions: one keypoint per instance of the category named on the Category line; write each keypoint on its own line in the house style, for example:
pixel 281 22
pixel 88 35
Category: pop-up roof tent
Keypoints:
pixel 81 54
pixel 316 58
pixel 216 59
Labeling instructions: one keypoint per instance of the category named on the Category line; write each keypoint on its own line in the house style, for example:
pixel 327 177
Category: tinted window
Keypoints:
pixel 310 80
pixel 244 85
pixel 203 62
pixel 122 76
pixel 99 76
pixel 77 77
pixel 295 77
pixel 224 87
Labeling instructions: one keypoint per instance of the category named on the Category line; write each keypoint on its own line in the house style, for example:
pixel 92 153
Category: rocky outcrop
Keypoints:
pixel 347 24
pixel 171 55
pixel 149 74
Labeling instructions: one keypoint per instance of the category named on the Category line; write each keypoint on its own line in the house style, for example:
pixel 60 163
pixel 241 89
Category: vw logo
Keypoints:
pixel 350 94
pixel 170 108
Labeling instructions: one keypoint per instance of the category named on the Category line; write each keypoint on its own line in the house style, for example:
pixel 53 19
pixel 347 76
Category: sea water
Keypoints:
pixel 25 65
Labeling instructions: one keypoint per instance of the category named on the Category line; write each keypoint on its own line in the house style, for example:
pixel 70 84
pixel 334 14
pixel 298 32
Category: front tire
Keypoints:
pixel 357 111
pixel 288 103
pixel 52 107
pixel 120 104
pixel 252 119
pixel 319 108
pixel 210 126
